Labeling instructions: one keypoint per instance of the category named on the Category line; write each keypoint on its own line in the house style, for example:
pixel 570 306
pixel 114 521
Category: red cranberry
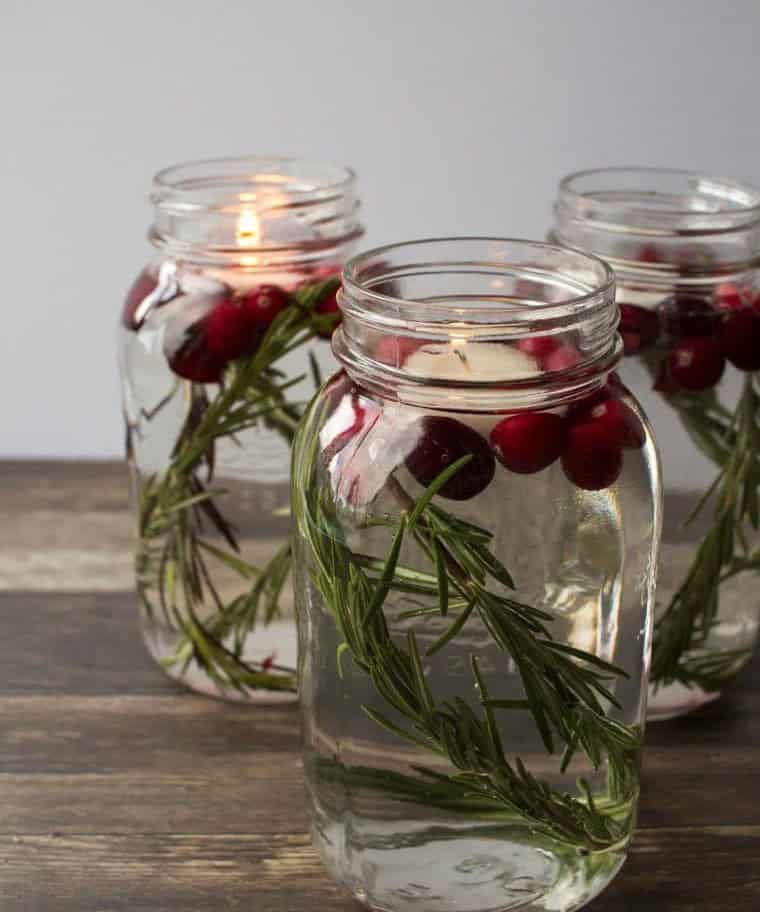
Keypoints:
pixel 193 360
pixel 728 297
pixel 229 330
pixel 696 363
pixel 688 315
pixel 592 459
pixel 394 350
pixel 328 306
pixel 528 442
pixel 620 421
pixel 441 441
pixel 740 339
pixel 538 346
pixel 263 303
pixel 638 327
pixel 563 358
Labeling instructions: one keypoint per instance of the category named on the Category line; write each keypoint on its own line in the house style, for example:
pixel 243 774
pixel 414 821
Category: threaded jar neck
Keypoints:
pixel 255 211
pixel 661 227
pixel 485 323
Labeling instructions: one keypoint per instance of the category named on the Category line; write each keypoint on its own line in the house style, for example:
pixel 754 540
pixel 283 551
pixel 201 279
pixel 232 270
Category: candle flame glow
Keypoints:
pixel 247 231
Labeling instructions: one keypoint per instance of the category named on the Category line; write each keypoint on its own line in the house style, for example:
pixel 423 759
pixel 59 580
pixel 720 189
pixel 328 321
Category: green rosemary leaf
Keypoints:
pixel 381 591
pixel 451 631
pixel 419 674
pixel 613 671
pixel 233 561
pixel 434 487
pixel 342 649
pixel 316 373
pixel 393 728
pixel 443 580
pixel 485 697
pixel 509 704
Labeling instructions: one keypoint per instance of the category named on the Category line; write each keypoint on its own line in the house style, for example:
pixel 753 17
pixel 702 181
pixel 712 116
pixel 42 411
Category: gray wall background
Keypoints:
pixel 459 117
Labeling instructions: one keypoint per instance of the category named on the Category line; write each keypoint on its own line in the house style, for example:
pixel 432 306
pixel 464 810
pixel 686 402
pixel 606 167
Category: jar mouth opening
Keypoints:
pixel 659 200
pixel 476 283
pixel 217 183
pixel 233 208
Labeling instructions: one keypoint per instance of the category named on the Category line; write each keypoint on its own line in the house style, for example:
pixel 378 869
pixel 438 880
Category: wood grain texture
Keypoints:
pixel 667 871
pixel 121 791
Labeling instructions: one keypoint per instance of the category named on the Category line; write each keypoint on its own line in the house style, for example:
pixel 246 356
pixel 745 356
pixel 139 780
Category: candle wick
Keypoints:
pixel 462 357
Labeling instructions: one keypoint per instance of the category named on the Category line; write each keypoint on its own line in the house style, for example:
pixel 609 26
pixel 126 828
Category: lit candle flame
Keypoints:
pixel 248 229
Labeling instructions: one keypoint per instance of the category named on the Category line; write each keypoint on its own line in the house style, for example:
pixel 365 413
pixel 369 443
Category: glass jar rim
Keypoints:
pixel 654 199
pixel 578 303
pixel 195 183
pixel 200 207
pixel 361 272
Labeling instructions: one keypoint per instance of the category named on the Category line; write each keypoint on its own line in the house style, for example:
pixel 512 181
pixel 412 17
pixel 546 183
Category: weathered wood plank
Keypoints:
pixel 75 643
pixel 119 734
pixel 240 800
pixel 236 796
pixel 66 526
pixel 669 871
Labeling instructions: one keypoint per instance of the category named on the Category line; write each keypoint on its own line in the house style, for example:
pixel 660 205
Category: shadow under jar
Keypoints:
pixel 685 248
pixel 220 350
pixel 476 514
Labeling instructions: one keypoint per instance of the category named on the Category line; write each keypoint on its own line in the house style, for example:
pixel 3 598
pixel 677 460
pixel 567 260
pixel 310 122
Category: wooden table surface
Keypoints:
pixel 121 791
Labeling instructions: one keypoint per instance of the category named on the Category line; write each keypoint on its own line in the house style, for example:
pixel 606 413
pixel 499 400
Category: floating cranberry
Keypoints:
pixel 529 442
pixel 229 330
pixel 620 421
pixel 538 346
pixel 328 306
pixel 728 297
pixel 394 350
pixel 592 459
pixel 696 363
pixel 193 360
pixel 688 315
pixel 563 358
pixel 740 339
pixel 639 328
pixel 440 442
pixel 264 303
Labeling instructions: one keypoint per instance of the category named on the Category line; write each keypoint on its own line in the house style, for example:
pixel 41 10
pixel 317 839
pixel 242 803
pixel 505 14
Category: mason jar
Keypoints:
pixel 685 248
pixel 476 514
pixel 223 338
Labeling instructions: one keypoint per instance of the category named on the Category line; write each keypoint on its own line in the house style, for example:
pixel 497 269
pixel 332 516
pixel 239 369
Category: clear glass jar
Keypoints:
pixel 476 510
pixel 685 248
pixel 219 351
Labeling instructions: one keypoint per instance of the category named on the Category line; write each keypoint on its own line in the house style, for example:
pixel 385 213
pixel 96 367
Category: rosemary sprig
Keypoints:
pixel 733 443
pixel 176 560
pixel 565 689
